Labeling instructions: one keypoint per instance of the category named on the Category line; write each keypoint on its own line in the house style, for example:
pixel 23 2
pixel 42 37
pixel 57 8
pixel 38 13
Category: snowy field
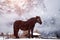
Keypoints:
pixel 35 35
pixel 1 38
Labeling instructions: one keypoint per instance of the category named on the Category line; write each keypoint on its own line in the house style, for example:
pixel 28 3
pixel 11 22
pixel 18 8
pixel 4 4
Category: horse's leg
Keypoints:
pixel 16 32
pixel 32 32
pixel 28 33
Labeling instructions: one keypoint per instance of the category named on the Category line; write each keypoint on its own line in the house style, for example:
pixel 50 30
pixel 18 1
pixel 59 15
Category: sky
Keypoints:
pixel 48 10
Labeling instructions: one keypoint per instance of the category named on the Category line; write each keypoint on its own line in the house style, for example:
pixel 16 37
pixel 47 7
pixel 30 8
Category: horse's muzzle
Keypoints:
pixel 40 22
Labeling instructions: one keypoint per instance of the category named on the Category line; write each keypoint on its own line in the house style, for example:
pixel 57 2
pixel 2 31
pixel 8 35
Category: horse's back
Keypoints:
pixel 21 25
pixel 19 22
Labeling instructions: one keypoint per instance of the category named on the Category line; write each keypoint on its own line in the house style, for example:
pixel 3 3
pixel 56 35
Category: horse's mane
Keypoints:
pixel 31 19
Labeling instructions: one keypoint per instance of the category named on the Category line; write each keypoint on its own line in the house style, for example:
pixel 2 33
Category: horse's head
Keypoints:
pixel 38 19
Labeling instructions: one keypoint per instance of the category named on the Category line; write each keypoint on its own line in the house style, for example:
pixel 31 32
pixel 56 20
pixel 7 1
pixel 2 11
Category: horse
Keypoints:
pixel 26 25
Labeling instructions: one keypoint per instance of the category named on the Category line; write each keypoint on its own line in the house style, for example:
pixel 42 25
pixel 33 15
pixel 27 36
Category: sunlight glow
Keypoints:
pixel 21 3
pixel 20 6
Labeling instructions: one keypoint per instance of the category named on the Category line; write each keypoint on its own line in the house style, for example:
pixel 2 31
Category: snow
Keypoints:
pixel 36 34
pixel 1 38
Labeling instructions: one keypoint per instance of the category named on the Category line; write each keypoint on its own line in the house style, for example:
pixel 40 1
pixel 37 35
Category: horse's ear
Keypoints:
pixel 37 17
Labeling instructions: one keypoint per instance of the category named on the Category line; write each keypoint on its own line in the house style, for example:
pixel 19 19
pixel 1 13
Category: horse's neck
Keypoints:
pixel 32 20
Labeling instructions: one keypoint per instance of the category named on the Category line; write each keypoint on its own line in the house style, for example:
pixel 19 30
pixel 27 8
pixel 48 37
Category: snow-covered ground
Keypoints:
pixel 36 35
pixel 1 38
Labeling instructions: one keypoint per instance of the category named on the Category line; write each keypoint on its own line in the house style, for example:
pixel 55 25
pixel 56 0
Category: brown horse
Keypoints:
pixel 26 25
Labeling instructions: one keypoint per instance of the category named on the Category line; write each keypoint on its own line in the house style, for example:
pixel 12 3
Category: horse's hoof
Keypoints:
pixel 28 36
pixel 31 36
pixel 17 37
